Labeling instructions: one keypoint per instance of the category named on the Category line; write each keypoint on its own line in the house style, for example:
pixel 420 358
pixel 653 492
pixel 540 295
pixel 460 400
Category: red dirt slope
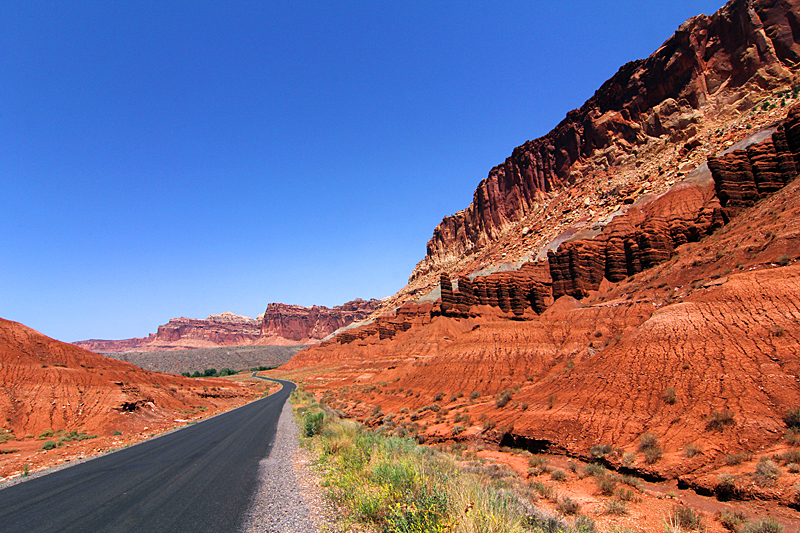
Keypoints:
pixel 49 385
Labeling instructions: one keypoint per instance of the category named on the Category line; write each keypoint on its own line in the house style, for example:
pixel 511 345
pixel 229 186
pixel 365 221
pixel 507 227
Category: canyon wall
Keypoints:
pixel 710 63
pixel 281 324
pixel 309 324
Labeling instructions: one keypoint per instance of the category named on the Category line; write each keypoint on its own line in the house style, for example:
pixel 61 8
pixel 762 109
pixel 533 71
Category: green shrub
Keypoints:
pixel 49 445
pixel 117 432
pixel 458 429
pixel 594 469
pixel 6 435
pixel 45 434
pixel 558 475
pixel 312 423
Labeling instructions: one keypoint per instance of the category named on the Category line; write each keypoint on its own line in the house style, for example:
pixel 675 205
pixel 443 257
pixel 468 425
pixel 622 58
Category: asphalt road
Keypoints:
pixel 198 479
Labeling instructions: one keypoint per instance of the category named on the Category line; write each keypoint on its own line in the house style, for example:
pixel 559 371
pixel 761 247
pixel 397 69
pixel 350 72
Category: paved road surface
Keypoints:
pixel 199 479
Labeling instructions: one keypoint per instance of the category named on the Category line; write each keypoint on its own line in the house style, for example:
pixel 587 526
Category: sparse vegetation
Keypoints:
pixel 649 446
pixel 600 451
pixel 669 396
pixel 732 521
pixel 49 445
pixel 766 472
pixel 615 507
pixel 686 517
pixel 567 506
pixel 558 475
pixel 719 420
pixel 607 484
pixel 388 483
pixel 474 395
pixel 690 450
pixel 737 458
pixel 6 435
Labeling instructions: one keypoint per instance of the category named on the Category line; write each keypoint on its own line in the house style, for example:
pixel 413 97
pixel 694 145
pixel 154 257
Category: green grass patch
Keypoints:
pixel 388 483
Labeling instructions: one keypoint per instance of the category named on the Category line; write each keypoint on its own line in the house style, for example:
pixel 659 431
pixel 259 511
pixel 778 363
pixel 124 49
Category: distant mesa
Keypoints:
pixel 281 324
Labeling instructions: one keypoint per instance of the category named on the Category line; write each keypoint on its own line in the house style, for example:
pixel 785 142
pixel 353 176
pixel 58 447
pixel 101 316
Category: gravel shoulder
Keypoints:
pixel 288 498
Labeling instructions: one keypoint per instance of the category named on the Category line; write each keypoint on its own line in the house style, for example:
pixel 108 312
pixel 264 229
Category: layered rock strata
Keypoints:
pixel 711 62
pixel 742 177
pixel 303 324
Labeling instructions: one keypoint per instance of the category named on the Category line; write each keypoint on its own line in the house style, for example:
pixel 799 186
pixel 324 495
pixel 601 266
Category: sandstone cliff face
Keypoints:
pixel 226 329
pixel 712 64
pixel 311 324
pixel 281 324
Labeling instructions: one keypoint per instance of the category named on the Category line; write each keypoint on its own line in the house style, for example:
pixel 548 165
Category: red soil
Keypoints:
pixel 49 385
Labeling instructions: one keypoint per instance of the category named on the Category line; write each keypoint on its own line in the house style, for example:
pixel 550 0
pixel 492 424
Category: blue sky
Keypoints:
pixel 164 159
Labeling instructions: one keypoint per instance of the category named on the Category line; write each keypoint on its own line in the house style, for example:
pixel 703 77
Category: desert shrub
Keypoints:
pixel 766 525
pixel 545 491
pixel 732 521
pixel 458 429
pixel 558 475
pixel 49 445
pixel 726 488
pixel 690 450
pixel 615 507
pixel 792 437
pixel 6 435
pixel 47 433
pixel 504 397
pixel 439 396
pixel 792 456
pixel 626 495
pixel 719 420
pixel 594 469
pixel 686 517
pixel 632 481
pixel 474 395
pixel 648 444
pixel 792 418
pixel 628 459
pixel 766 472
pixel 669 396
pixel 600 451
pixel 489 425
pixel 117 432
pixel 737 458
pixel 793 468
pixel 607 484
pixel 567 506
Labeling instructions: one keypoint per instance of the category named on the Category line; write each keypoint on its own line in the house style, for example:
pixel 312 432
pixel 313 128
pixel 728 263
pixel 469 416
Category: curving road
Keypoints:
pixel 199 479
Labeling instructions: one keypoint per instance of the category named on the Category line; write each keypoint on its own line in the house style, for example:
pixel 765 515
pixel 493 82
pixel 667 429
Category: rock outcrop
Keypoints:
pixel 711 63
pixel 281 324
pixel 743 177
pixel 304 325
pixel 511 291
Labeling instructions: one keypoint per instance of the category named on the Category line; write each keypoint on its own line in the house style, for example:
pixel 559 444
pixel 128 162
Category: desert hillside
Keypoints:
pixel 53 389
pixel 632 276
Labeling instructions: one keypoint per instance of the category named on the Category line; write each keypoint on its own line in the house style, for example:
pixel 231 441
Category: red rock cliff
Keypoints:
pixel 709 65
pixel 309 324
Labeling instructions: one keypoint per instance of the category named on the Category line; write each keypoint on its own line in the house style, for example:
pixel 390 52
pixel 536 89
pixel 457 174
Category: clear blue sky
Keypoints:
pixel 164 159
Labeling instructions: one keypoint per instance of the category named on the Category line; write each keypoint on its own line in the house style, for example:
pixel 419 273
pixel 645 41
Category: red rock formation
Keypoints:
pixel 515 291
pixel 281 324
pixel 709 58
pixel 742 177
pixel 305 325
